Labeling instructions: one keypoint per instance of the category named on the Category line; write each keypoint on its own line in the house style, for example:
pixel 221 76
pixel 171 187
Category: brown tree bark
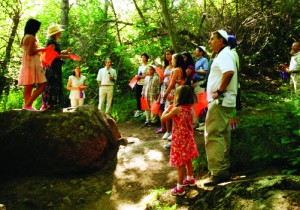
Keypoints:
pixel 117 25
pixel 140 13
pixel 167 20
pixel 65 8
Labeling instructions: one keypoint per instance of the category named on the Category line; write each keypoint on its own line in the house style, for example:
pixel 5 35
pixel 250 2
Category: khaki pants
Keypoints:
pixel 105 93
pixel 150 117
pixel 295 84
pixel 217 138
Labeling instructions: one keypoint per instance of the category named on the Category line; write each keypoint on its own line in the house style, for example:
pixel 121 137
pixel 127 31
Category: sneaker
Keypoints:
pixel 168 146
pixel 166 135
pixel 29 108
pixel 187 182
pixel 137 113
pixel 175 191
pixel 170 138
pixel 159 130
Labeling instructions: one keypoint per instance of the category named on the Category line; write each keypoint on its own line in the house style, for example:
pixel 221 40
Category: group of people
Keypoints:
pixel 183 79
pixel 47 75
pixel 175 92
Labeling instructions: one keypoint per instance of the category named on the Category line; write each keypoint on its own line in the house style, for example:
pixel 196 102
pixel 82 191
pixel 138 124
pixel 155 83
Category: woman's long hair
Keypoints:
pixel 166 62
pixel 32 27
pixel 180 63
pixel 189 61
pixel 74 72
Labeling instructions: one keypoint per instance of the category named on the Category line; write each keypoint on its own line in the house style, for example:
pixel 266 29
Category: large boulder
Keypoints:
pixel 72 140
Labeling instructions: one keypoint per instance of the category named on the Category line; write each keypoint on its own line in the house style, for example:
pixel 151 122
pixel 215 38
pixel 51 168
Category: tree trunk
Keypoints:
pixel 168 23
pixel 117 25
pixel 14 12
pixel 140 12
pixel 65 8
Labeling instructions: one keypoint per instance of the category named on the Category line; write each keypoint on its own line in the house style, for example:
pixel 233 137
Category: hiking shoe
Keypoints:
pixel 214 180
pixel 170 138
pixel 166 135
pixel 187 182
pixel 175 191
pixel 168 146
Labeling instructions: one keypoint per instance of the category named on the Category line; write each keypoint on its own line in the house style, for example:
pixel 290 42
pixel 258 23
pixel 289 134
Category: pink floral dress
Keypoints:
pixel 183 146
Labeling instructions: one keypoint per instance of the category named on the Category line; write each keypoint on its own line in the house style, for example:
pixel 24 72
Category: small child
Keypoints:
pixel 183 148
pixel 150 91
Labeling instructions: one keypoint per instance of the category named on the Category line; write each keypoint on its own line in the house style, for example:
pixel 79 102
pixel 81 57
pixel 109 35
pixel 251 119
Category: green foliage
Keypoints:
pixel 12 101
pixel 268 136
pixel 200 163
pixel 154 200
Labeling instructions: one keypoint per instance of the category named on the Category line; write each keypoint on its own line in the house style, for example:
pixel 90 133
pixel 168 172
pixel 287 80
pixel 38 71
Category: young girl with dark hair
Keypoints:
pixel 183 148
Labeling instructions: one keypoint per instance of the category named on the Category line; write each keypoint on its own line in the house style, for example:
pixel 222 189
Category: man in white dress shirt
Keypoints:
pixel 106 78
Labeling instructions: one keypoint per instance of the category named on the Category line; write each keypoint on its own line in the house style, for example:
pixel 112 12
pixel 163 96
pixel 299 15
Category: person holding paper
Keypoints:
pixel 31 72
pixel 76 84
pixel 139 86
pixel 53 94
pixel 150 91
pixel 106 78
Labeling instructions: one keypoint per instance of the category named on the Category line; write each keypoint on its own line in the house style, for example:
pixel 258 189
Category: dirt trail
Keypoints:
pixel 142 166
pixel 125 182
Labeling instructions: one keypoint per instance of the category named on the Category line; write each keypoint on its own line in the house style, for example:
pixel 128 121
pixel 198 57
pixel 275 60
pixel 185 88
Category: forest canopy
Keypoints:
pixel 124 29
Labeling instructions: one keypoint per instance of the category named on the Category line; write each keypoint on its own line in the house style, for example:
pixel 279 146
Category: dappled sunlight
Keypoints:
pixel 129 206
pixel 137 162
pixel 155 155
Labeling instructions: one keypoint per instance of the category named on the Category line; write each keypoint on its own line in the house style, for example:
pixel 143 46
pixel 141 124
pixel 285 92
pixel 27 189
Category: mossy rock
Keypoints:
pixel 72 140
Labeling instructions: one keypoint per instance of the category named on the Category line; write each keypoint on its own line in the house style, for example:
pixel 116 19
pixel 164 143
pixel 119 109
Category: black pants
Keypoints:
pixel 138 96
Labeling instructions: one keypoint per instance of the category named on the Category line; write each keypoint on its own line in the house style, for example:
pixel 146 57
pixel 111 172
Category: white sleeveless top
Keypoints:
pixel 75 94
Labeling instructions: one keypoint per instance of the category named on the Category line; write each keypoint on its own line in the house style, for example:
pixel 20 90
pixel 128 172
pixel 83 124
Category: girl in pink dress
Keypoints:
pixel 31 72
pixel 183 148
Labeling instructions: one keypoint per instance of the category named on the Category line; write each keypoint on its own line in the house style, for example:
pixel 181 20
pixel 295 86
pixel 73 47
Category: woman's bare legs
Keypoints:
pixel 27 93
pixel 39 90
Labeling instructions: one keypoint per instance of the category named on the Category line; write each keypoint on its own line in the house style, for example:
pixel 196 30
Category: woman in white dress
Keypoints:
pixel 76 85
